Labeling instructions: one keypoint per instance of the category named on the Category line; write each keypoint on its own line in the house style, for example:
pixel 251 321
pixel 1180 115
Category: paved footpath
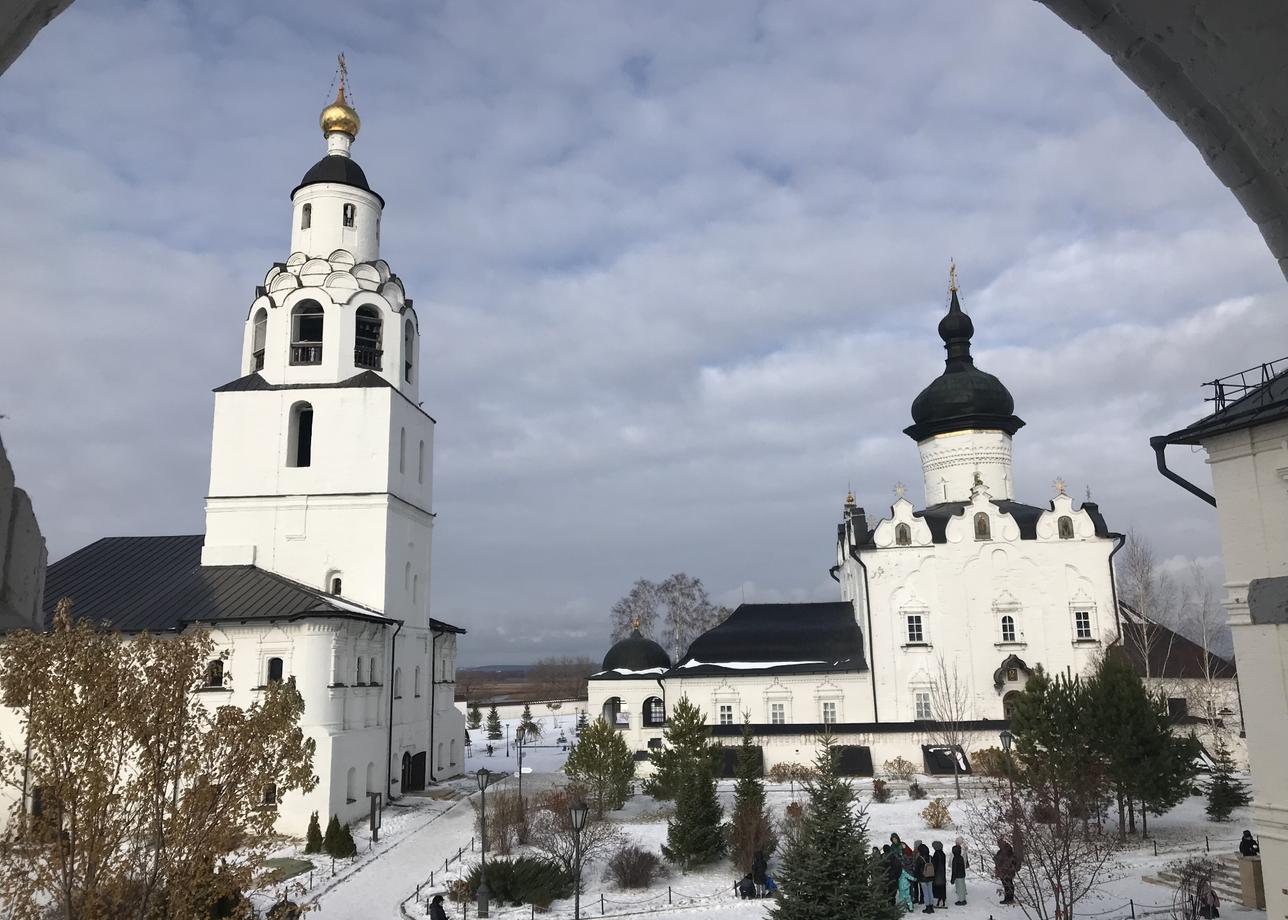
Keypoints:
pixel 375 890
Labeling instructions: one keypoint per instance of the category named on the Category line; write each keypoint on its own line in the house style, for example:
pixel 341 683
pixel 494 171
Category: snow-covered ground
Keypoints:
pixel 420 833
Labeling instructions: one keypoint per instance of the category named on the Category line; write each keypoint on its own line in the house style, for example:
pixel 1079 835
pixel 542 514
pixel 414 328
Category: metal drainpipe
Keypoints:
pixel 1159 443
pixel 1113 584
pixel 433 700
pixel 389 753
pixel 867 605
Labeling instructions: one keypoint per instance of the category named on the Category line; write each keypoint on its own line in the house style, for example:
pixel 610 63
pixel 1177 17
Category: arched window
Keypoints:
pixel 397 683
pixel 336 585
pixel 358 677
pixel 259 334
pixel 654 712
pixel 982 531
pixel 351 785
pixel 215 673
pixel 452 762
pixel 409 350
pixel 902 535
pixel 306 217
pixel 402 450
pixel 306 333
pixel 350 213
pixel 420 463
pixel 415 589
pixel 366 338
pixel 274 670
pixel 613 713
pixel 1008 628
pixel 416 682
pixel 1065 527
pixel 373 676
pixel 1008 704
pixel 270 796
pixel 299 451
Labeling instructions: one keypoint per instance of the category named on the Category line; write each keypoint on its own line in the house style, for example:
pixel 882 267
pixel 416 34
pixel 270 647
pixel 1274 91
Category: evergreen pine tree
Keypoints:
pixel 331 842
pixel 531 730
pixel 581 722
pixel 694 835
pixel 313 837
pixel 475 716
pixel 751 830
pixel 604 764
pixel 494 732
pixel 826 872
pixel 345 846
pixel 1225 791
pixel 686 739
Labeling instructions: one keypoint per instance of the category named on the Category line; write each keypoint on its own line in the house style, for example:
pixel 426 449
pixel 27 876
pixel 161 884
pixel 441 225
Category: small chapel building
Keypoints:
pixel 950 604
pixel 315 561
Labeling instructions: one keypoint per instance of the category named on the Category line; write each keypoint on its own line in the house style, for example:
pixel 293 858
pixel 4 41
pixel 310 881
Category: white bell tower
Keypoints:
pixel 321 461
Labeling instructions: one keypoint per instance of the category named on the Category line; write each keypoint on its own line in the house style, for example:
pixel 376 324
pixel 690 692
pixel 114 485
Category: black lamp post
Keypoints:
pixel 578 812
pixel 484 778
pixel 519 734
pixel 1007 738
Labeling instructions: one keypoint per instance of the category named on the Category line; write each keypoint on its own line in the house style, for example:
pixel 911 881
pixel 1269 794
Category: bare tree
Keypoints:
pixel 1061 856
pixel 552 833
pixel 950 709
pixel 1152 596
pixel 637 610
pixel 1194 885
pixel 1206 626
pixel 563 678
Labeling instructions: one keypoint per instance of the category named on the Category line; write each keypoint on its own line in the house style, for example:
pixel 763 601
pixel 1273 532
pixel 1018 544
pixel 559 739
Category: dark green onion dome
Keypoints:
pixel 963 396
pixel 635 653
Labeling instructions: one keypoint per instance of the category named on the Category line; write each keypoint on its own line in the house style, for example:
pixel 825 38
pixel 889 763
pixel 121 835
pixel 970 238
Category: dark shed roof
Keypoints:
pixel 159 584
pixel 1265 403
pixel 824 636
pixel 1170 654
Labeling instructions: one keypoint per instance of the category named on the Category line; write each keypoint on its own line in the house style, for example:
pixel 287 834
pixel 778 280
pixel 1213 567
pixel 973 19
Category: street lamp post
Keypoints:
pixel 484 779
pixel 507 739
pixel 1007 738
pixel 579 812
pixel 519 734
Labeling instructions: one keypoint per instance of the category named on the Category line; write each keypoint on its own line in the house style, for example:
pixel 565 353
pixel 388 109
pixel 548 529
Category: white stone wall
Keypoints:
pixel 950 463
pixel 1250 481
pixel 633 694
pixel 961 589
pixel 326 231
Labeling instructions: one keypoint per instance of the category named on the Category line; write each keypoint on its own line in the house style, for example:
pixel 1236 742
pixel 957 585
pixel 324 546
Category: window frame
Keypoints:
pixel 299 434
pixel 983 534
pixel 920 617
pixel 306 216
pixel 268 670
pixel 1008 620
pixel 213 679
pixel 367 351
pixel 902 535
pixel 258 339
pixel 307 352
pixel 829 706
pixel 777 713
pixel 1064 527
pixel 349 215
pixel 920 713
pixel 724 714
pixel 1079 614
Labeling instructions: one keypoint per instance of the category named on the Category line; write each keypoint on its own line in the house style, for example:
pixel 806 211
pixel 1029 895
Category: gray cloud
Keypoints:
pixel 678 267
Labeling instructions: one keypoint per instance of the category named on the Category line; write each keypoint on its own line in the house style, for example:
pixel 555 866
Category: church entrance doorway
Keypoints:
pixel 405 779
pixel 414 772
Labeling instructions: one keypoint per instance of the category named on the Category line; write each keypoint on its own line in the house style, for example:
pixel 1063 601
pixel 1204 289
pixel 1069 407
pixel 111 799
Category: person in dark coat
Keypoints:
pixel 747 887
pixel 1248 846
pixel 958 877
pixel 924 873
pixel 1005 866
pixel 939 859
pixel 759 866
pixel 436 911
pixel 893 869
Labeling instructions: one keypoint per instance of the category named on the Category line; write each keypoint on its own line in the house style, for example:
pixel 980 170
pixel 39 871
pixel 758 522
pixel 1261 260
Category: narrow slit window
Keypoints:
pixel 409 350
pixel 300 432
pixel 402 450
pixel 350 215
pixel 420 463
pixel 336 585
pixel 366 339
pixel 259 335
pixel 306 217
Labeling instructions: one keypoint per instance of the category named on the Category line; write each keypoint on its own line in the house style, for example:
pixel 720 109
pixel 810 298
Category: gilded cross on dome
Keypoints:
pixel 899 489
pixel 1059 485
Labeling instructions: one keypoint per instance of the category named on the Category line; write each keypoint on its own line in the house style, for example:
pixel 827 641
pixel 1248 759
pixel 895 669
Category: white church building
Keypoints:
pixel 974 583
pixel 315 562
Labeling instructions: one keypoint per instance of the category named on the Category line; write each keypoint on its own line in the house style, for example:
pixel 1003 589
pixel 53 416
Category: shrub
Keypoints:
pixel 633 867
pixel 793 815
pixel 788 772
pixel 936 814
pixel 458 890
pixel 989 761
pixel 522 880
pixel 338 841
pixel 900 769
pixel 880 791
pixel 507 821
pixel 915 790
pixel 313 838
pixel 1045 813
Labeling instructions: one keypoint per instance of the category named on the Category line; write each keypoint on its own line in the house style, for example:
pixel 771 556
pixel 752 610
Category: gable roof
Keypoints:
pixel 778 639
pixel 158 584
pixel 1170 654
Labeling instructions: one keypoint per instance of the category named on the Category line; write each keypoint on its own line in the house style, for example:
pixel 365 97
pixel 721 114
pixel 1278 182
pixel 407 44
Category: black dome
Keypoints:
pixel 962 396
pixel 338 169
pixel 635 653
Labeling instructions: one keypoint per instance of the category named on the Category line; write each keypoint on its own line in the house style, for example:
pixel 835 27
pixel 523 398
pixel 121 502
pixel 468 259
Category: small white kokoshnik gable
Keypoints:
pixel 974 584
pixel 315 561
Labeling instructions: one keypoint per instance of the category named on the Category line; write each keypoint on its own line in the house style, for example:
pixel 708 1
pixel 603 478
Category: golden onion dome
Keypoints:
pixel 339 116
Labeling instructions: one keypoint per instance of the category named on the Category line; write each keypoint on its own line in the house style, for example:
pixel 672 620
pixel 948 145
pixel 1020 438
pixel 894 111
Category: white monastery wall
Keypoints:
pixel 950 462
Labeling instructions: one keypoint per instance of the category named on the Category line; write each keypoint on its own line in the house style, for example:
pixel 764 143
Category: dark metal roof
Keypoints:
pixel 337 169
pixel 1171 655
pixel 1026 516
pixel 256 381
pixel 824 635
pixel 635 653
pixel 1259 405
pixel 159 584
pixel 963 396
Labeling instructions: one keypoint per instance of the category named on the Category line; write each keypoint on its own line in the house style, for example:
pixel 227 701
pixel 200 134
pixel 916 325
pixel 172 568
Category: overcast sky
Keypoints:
pixel 677 266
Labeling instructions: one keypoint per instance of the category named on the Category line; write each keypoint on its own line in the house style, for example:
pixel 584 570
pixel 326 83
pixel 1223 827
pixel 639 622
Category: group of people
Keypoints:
pixel 920 874
pixel 757 883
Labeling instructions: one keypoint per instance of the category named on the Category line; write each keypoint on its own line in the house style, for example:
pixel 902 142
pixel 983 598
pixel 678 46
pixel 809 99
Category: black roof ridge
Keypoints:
pixel 255 382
